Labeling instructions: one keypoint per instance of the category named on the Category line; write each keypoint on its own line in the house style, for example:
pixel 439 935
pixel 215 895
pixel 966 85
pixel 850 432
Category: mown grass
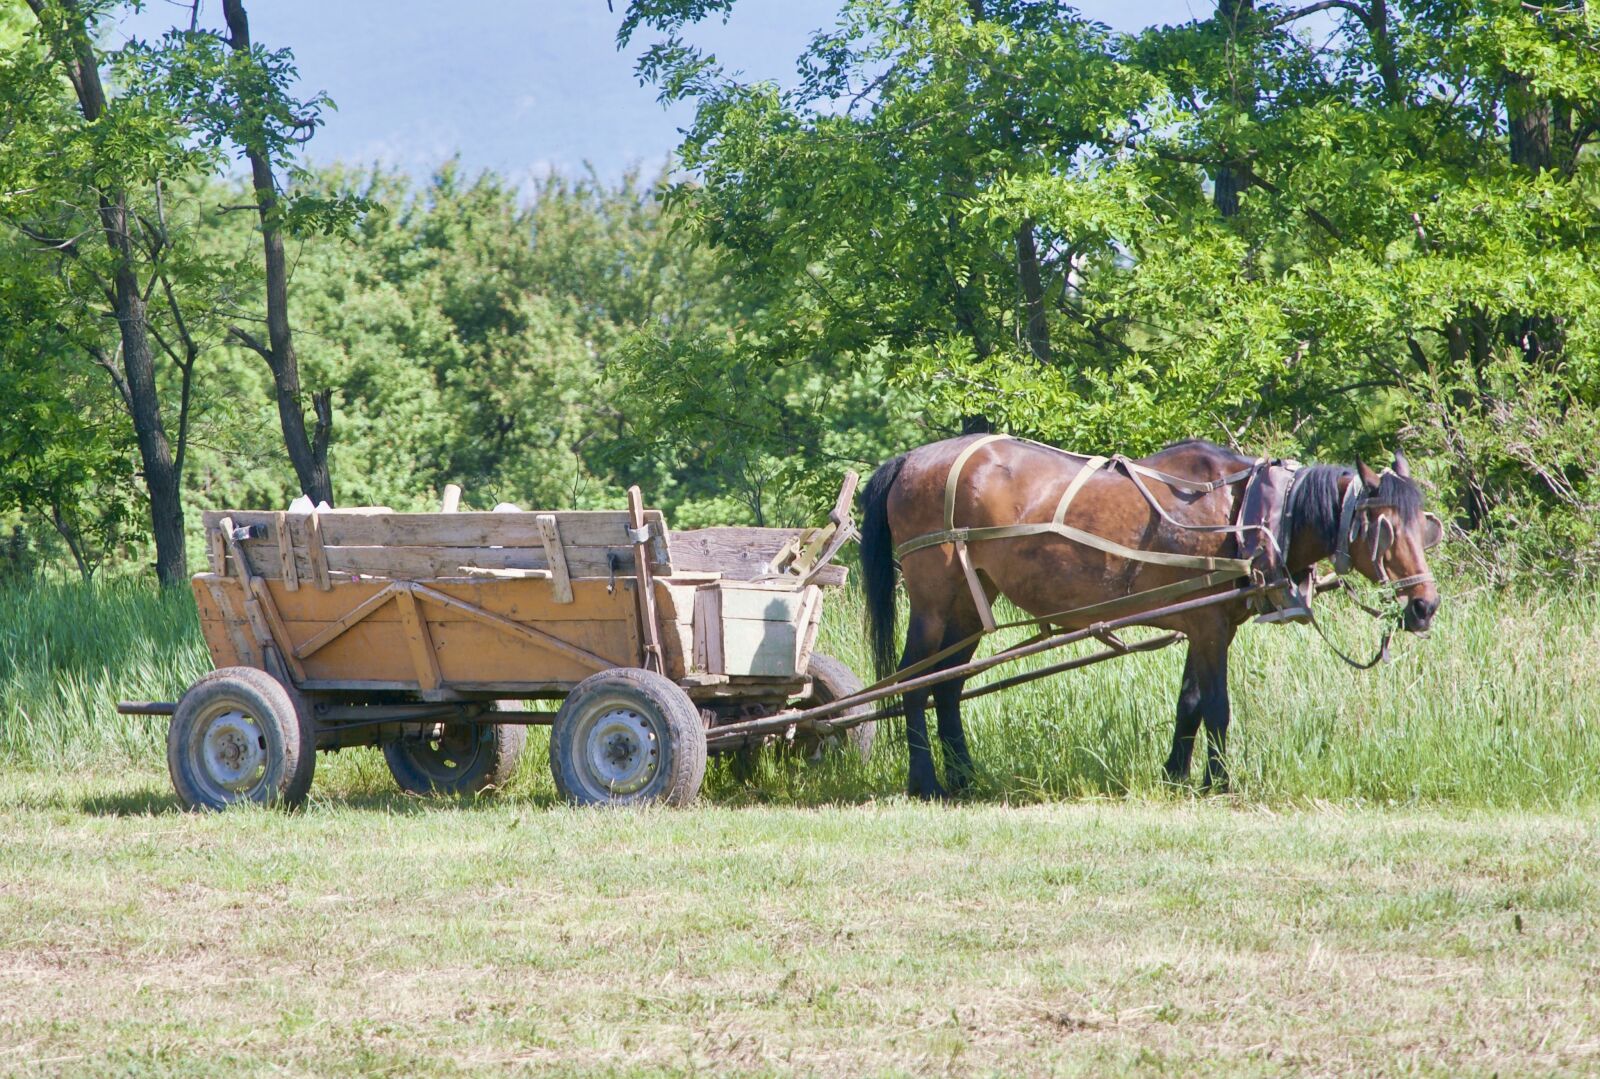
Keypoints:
pixel 1497 708
pixel 378 935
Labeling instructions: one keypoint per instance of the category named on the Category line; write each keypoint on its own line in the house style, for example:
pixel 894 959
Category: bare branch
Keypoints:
pixel 1324 5
pixel 254 345
pixel 109 363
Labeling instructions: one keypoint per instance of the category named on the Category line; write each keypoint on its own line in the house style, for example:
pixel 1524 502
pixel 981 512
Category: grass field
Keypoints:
pixel 1404 881
pixel 377 935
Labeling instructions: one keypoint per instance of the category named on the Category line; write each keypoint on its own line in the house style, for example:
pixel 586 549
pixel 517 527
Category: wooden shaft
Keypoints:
pixel 452 498
pixel 146 708
pixel 844 704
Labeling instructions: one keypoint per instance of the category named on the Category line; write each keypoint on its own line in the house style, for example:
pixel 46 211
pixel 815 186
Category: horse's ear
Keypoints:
pixel 1432 531
pixel 1369 478
pixel 1401 469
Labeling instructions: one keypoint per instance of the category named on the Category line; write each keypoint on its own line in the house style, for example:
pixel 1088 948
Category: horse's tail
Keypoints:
pixel 877 565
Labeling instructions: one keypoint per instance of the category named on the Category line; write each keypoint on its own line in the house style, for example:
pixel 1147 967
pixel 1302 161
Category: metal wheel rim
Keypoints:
pixel 453 754
pixel 228 752
pixel 618 747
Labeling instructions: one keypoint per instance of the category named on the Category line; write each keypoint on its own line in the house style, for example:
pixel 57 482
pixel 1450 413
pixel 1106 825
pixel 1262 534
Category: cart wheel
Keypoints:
pixel 237 737
pixel 463 758
pixel 830 681
pixel 626 737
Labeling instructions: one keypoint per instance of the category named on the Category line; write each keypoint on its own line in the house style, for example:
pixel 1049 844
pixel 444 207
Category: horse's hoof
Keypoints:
pixel 929 792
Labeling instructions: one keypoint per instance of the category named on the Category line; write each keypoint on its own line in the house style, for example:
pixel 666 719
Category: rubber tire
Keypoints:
pixel 668 709
pixel 499 749
pixel 831 680
pixel 291 755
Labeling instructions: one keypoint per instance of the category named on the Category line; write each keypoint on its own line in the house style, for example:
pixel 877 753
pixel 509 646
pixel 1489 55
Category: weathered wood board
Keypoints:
pixel 429 546
pixel 748 629
pixel 383 645
pixel 738 553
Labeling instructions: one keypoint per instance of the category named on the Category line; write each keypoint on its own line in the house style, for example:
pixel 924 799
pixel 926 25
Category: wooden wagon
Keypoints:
pixel 422 633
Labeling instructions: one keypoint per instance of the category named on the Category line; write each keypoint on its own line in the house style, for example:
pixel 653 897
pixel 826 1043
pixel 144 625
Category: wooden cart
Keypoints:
pixel 422 633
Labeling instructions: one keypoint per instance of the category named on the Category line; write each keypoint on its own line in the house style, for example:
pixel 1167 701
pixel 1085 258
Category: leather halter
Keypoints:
pixel 1353 527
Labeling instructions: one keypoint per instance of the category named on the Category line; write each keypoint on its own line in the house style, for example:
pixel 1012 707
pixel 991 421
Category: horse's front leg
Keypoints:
pixel 1188 723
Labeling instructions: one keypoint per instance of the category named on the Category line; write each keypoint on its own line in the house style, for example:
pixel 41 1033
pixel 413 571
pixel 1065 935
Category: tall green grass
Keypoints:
pixel 1497 708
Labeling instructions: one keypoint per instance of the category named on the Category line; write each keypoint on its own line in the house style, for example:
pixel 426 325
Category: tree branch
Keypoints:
pixel 1324 5
pixel 254 345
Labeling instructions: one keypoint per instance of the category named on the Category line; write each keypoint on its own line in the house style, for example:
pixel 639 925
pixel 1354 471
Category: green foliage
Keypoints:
pixel 1223 228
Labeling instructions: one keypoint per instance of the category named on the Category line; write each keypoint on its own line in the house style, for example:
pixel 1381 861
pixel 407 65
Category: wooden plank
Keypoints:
pixel 810 622
pixel 216 551
pixel 735 552
pixel 743 601
pixel 308 648
pixel 708 630
pixel 579 528
pixel 561 582
pixel 468 650
pixel 279 632
pixel 315 555
pixel 423 656
pixel 516 629
pixel 521 600
pixel 224 629
pixel 653 657
pixel 444 563
pixel 541 689
pixel 280 531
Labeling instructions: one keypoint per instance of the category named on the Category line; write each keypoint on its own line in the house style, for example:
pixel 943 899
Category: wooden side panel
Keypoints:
pixel 224 632
pixel 418 546
pixel 675 610
pixel 379 648
pixel 750 629
pixel 736 553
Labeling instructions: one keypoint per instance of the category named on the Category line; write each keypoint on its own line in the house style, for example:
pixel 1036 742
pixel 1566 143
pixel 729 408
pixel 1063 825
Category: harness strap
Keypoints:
pixel 954 480
pixel 980 598
pixel 1135 470
pixel 1090 467
pixel 1239 566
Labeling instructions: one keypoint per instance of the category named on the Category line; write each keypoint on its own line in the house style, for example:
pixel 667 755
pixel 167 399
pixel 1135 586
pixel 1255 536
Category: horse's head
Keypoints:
pixel 1384 534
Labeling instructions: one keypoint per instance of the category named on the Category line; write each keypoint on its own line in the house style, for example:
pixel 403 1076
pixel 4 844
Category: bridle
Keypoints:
pixel 1354 526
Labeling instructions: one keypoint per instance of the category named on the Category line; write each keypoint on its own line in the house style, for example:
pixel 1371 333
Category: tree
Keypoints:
pixel 1394 236
pixel 85 180
pixel 236 92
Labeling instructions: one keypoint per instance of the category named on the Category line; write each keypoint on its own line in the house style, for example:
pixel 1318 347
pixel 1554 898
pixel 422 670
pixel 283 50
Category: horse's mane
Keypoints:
pixel 1315 502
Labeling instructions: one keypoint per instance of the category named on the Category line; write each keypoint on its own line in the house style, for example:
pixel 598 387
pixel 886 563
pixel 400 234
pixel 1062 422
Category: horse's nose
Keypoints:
pixel 1419 613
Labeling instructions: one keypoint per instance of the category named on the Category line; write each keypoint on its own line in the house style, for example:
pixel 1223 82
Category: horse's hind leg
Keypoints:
pixel 947 701
pixel 922 640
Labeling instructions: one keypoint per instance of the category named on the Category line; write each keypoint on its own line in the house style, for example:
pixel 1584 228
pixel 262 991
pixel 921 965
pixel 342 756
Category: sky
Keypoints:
pixel 521 86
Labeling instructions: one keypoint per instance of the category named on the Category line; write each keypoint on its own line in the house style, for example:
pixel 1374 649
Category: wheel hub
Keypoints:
pixel 622 751
pixel 234 751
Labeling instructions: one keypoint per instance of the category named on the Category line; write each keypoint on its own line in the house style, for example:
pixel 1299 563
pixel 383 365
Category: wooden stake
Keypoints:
pixel 650 633
pixel 561 582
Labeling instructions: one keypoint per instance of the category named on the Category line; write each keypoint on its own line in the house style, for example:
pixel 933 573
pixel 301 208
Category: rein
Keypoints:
pixel 1352 529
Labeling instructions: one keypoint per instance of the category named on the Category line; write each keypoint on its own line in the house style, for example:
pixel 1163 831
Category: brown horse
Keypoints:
pixel 1008 482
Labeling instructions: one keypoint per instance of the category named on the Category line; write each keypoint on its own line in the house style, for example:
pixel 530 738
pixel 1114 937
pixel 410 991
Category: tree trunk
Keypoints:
pixel 308 455
pixel 1231 178
pixel 1528 123
pixel 161 475
pixel 1038 328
